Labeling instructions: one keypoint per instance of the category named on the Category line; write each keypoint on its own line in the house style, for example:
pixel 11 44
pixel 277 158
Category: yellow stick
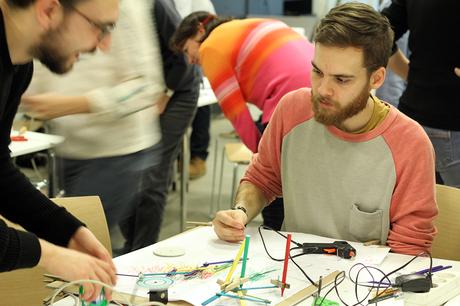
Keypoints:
pixel 235 262
pixel 242 302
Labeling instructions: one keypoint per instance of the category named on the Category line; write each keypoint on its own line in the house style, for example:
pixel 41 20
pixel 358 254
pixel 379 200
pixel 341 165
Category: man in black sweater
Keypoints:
pixel 432 75
pixel 55 32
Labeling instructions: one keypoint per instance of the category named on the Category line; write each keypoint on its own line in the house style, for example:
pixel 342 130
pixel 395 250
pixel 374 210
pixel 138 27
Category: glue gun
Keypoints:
pixel 340 248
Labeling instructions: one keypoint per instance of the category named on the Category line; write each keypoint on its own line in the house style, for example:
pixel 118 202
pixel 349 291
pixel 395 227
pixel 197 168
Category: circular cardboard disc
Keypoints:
pixel 169 251
pixel 155 283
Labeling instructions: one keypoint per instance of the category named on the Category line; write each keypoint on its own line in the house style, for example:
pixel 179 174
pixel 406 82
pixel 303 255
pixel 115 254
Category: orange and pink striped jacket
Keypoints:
pixel 254 61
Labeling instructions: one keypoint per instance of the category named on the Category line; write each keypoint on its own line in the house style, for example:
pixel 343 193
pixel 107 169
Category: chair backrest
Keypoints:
pixel 237 152
pixel 446 244
pixel 26 286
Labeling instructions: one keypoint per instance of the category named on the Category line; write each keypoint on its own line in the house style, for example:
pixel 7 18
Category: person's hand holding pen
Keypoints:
pixel 229 225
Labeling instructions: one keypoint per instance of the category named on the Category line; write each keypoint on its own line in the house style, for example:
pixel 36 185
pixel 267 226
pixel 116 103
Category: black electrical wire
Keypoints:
pixel 373 286
pixel 298 266
pixel 342 273
pixel 299 246
pixel 278 232
pixel 405 265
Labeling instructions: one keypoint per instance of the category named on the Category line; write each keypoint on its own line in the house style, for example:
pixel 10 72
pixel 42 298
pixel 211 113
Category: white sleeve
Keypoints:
pixel 135 55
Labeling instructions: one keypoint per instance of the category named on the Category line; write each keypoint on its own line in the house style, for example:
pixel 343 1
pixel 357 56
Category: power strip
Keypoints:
pixel 446 285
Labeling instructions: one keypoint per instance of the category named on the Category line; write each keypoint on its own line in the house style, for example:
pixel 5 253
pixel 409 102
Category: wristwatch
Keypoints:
pixel 243 209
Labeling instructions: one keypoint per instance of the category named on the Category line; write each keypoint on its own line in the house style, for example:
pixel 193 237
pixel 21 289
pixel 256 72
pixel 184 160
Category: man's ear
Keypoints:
pixel 48 13
pixel 378 77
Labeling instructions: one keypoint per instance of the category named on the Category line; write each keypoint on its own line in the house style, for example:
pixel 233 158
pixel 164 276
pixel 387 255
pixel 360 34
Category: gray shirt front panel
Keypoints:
pixel 336 188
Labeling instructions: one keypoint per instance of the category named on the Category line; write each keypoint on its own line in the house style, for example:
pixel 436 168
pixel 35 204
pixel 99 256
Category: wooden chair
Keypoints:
pixel 238 154
pixel 26 287
pixel 446 244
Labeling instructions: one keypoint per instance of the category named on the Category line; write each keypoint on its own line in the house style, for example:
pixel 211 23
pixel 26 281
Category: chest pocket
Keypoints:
pixel 365 226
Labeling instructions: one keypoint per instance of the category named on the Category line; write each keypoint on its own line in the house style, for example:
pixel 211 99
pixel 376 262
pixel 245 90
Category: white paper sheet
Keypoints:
pixel 202 245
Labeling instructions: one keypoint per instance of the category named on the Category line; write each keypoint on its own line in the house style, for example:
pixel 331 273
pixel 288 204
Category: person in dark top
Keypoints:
pixel 55 32
pixel 431 96
pixel 177 108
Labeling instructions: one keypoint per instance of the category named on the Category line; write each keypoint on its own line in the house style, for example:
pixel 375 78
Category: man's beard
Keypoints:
pixel 338 114
pixel 51 53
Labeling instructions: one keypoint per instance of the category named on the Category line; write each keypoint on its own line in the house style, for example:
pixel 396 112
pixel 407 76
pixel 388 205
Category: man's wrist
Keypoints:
pixel 242 208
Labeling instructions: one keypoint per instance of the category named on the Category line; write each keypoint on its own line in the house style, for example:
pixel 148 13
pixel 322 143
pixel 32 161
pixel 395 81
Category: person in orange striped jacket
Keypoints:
pixel 251 60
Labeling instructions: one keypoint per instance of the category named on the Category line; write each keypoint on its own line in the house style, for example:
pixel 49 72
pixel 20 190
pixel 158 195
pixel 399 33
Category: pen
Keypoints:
pixel 383 297
pixel 219 262
pixel 154 274
pixel 434 269
pixel 381 283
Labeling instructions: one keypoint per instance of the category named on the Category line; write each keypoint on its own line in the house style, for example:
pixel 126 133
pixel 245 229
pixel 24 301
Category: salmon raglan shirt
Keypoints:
pixel 359 187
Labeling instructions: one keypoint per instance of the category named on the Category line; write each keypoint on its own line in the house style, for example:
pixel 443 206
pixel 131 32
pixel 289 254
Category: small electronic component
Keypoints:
pixel 158 287
pixel 413 282
pixel 100 301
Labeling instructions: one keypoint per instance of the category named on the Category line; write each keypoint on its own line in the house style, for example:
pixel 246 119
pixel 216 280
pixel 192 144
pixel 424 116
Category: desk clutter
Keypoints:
pixel 274 268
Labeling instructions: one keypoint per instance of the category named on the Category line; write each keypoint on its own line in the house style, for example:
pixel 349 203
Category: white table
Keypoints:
pixel 201 245
pixel 207 96
pixel 37 142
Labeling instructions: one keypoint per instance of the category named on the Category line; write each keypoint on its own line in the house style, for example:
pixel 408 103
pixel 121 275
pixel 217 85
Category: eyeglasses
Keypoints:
pixel 104 28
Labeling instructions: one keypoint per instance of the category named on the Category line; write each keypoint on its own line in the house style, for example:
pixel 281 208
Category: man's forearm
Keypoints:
pixel 399 64
pixel 251 198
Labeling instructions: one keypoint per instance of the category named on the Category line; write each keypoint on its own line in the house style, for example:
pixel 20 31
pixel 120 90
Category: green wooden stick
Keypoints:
pixel 245 257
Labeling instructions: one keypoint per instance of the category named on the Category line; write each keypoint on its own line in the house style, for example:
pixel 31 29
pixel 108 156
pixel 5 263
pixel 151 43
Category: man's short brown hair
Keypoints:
pixel 358 25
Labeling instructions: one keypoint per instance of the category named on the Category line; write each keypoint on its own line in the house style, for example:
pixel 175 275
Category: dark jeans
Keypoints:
pixel 116 180
pixel 199 140
pixel 143 228
pixel 273 214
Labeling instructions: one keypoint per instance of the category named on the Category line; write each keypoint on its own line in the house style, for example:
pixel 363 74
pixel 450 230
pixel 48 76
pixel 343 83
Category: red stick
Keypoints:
pixel 286 261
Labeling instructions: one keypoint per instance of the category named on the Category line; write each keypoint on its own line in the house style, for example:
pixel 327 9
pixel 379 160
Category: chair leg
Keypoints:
pixel 184 181
pixel 52 174
pixel 214 171
pixel 235 177
pixel 221 178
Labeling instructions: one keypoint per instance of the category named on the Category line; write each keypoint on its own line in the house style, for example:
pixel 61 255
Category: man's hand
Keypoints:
pixel 84 241
pixel 457 71
pixel 72 265
pixel 161 103
pixel 50 106
pixel 229 225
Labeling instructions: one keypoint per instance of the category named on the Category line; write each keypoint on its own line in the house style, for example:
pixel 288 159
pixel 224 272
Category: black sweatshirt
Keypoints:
pixel 179 75
pixel 20 202
pixel 431 96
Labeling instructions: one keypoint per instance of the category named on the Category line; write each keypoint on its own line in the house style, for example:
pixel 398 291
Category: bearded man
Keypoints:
pixel 55 32
pixel 342 159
